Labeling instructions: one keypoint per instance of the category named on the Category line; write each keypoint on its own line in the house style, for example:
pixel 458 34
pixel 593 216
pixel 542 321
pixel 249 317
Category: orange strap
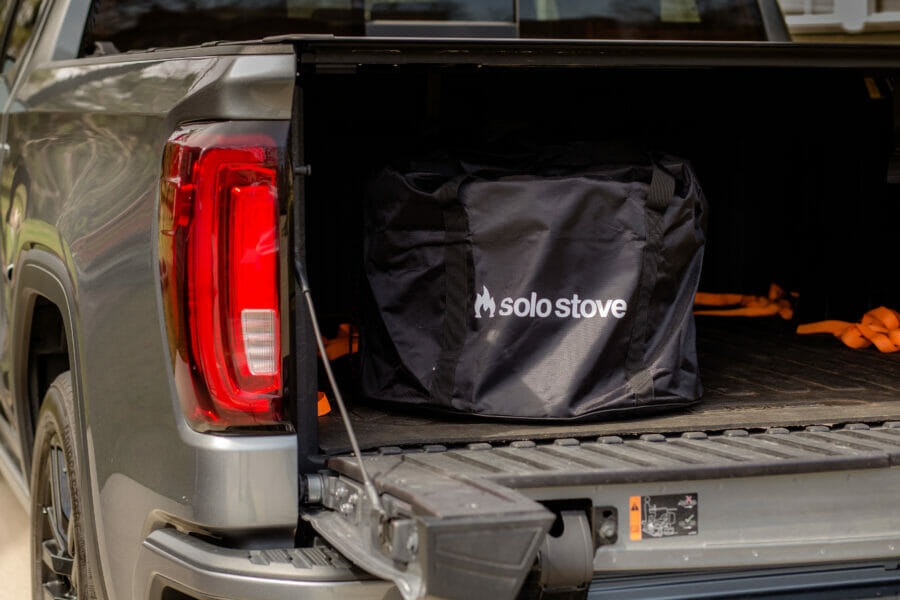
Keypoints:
pixel 880 326
pixel 346 342
pixel 777 303
pixel 324 406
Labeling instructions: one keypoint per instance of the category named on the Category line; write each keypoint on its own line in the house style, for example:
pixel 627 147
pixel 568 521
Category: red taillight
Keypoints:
pixel 253 277
pixel 219 257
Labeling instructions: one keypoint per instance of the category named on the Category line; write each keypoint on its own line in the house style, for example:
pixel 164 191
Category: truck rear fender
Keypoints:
pixel 41 283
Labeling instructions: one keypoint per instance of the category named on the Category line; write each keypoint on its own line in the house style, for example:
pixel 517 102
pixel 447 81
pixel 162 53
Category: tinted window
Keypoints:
pixel 440 10
pixel 642 19
pixel 122 25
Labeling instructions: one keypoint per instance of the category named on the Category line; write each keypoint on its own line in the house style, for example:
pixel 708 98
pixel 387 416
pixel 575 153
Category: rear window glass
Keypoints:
pixel 122 25
pixel 642 19
pixel 440 10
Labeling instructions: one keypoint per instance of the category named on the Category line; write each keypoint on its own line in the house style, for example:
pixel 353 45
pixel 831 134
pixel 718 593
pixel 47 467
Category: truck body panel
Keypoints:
pixel 788 465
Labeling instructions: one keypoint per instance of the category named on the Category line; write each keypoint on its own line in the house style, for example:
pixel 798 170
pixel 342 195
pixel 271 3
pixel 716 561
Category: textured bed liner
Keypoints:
pixel 756 372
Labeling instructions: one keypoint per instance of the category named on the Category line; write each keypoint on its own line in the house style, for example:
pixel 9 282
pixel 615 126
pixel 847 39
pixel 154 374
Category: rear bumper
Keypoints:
pixel 202 571
pixel 170 559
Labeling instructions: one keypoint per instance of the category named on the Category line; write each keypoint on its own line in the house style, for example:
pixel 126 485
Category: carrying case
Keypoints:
pixel 547 292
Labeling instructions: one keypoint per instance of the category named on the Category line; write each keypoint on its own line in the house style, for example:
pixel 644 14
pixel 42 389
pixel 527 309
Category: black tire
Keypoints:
pixel 59 565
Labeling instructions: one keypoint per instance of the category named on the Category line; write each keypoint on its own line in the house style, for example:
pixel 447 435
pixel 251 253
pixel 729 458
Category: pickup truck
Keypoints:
pixel 175 200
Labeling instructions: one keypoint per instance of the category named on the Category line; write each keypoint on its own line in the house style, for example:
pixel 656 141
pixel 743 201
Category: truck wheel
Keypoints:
pixel 59 569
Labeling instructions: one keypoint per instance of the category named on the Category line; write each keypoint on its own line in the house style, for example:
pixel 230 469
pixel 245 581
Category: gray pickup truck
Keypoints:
pixel 171 196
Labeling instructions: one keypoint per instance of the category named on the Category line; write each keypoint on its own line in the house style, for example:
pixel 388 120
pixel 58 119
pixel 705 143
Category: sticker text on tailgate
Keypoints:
pixel 663 516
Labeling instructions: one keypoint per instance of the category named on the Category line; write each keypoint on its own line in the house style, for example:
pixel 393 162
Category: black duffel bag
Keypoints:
pixel 548 292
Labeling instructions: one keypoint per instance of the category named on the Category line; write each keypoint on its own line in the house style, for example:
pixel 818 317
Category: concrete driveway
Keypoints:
pixel 14 555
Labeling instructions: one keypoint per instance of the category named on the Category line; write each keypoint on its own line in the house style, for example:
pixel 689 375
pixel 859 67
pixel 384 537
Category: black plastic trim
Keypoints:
pixel 773 21
pixel 611 460
pixel 305 380
pixel 442 29
pixel 591 53
pixel 692 473
pixel 832 582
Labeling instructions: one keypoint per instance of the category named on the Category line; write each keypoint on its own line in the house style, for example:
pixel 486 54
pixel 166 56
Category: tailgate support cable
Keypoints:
pixel 345 416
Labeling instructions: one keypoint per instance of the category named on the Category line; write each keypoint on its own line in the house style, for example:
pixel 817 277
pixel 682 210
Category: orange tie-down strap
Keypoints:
pixel 880 326
pixel 346 342
pixel 324 405
pixel 738 305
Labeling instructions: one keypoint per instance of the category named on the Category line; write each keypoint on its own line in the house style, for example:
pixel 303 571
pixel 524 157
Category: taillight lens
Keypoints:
pixel 219 259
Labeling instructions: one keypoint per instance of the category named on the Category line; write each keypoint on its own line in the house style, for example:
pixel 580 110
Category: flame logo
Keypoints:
pixel 483 301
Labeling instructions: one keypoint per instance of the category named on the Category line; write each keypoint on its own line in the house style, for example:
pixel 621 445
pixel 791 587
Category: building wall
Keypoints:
pixel 852 21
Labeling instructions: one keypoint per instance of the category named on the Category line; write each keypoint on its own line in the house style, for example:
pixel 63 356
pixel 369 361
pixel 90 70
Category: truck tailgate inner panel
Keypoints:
pixel 757 374
pixel 693 501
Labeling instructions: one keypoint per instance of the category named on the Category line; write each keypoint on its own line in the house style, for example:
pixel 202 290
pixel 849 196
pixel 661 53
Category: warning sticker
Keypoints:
pixel 663 516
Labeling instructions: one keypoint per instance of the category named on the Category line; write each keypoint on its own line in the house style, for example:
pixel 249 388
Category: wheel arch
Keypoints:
pixel 41 287
pixel 42 291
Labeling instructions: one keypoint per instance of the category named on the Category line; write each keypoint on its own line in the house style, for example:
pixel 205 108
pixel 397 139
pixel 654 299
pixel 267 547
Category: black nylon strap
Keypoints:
pixel 456 292
pixel 640 378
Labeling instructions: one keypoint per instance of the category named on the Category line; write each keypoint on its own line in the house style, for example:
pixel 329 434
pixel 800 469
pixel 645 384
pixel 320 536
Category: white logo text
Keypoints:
pixel 542 308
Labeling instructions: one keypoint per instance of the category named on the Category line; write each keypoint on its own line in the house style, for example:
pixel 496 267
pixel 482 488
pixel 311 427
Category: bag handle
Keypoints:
pixel 457 269
pixel 640 376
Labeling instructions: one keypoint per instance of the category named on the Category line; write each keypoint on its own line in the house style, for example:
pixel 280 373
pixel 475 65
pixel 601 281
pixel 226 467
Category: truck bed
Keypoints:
pixel 757 373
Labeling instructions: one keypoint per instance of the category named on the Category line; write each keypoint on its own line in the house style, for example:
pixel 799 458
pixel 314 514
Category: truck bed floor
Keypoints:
pixel 757 373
